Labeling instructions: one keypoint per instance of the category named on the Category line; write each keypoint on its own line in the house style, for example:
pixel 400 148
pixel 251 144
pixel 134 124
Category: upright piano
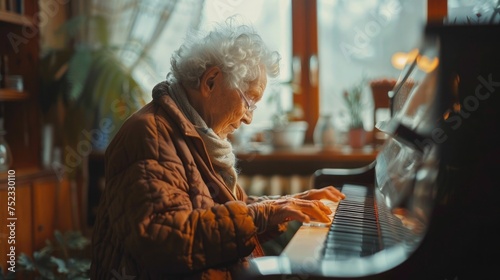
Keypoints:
pixel 428 207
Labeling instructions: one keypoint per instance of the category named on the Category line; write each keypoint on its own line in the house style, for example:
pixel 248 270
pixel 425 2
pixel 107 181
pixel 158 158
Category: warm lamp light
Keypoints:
pixel 400 59
pixel 426 64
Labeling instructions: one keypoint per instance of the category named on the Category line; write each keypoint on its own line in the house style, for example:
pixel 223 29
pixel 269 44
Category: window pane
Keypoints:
pixel 357 40
pixel 472 11
pixel 155 65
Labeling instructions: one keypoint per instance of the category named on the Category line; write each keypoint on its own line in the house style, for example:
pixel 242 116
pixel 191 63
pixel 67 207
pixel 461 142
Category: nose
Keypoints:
pixel 247 117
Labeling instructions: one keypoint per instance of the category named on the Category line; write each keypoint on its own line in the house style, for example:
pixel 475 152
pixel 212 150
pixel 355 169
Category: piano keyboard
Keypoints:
pixel 352 219
pixel 360 227
pixel 354 230
pixel 363 238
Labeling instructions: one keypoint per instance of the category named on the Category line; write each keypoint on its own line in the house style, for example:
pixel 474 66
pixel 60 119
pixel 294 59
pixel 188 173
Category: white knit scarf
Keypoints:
pixel 219 150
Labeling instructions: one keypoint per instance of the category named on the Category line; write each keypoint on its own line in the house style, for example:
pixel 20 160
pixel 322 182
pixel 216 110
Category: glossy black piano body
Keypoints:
pixel 429 207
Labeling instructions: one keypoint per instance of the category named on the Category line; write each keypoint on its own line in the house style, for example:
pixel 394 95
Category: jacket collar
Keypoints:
pixel 161 98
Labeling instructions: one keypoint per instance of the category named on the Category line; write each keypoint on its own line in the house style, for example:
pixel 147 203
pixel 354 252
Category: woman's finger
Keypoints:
pixel 315 210
pixel 333 194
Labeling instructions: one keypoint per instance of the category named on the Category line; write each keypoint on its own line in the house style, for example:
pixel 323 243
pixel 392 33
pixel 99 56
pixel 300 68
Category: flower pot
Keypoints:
pixel 289 136
pixel 357 137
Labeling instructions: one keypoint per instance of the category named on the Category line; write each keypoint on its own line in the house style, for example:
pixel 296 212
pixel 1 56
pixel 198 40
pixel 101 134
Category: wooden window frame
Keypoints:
pixel 305 45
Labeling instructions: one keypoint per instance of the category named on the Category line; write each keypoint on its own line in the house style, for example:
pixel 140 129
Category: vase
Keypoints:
pixel 357 137
pixel 323 135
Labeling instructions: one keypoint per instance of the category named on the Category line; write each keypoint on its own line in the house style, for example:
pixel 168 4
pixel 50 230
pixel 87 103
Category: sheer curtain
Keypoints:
pixel 144 32
pixel 140 35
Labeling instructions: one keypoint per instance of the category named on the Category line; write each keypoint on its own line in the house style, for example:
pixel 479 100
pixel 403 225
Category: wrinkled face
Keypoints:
pixel 226 108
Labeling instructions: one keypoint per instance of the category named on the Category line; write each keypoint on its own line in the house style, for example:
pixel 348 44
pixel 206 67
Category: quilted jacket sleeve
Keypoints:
pixel 148 201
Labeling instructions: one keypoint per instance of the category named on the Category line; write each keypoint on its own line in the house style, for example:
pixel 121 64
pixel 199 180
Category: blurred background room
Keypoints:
pixel 73 70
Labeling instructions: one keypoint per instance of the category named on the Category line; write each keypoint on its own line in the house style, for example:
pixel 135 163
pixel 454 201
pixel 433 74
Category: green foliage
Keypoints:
pixel 60 259
pixel 353 99
pixel 90 75
pixel 6 276
pixel 281 116
pixel 90 79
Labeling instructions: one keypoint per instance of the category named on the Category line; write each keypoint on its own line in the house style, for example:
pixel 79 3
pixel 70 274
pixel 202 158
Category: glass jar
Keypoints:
pixel 5 153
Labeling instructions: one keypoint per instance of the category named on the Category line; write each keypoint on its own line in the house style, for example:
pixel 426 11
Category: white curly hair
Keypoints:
pixel 236 48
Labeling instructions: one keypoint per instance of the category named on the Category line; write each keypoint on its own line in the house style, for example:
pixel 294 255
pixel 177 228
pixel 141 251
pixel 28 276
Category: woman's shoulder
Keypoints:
pixel 139 138
pixel 142 120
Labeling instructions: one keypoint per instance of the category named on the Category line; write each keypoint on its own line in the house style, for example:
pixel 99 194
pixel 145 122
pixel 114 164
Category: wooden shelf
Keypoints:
pixel 15 18
pixel 13 95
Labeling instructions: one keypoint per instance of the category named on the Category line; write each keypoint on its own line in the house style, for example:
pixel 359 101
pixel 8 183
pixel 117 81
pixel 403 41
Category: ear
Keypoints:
pixel 209 79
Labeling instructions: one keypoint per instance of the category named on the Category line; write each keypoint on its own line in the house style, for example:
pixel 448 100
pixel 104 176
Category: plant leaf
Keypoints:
pixel 100 26
pixel 42 262
pixel 78 70
pixel 58 236
pixel 72 27
pixel 78 265
pixel 46 272
pixel 43 255
pixel 26 262
pixel 76 240
pixel 61 265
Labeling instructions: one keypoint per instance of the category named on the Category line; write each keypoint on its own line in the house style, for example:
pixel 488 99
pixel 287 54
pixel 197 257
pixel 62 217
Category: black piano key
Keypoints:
pixel 364 240
pixel 354 230
pixel 345 217
pixel 356 223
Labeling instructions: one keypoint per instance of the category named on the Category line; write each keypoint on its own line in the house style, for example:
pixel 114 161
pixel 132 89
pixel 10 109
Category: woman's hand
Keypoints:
pixel 275 212
pixel 302 207
pixel 299 210
pixel 329 193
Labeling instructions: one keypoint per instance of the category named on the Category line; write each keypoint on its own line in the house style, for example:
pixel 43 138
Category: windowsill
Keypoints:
pixel 305 160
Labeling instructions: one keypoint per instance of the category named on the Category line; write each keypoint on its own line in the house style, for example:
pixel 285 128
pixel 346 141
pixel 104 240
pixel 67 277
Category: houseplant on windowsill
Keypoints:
pixel 353 99
pixel 287 131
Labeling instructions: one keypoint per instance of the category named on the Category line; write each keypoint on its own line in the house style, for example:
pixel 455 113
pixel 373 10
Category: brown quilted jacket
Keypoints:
pixel 165 213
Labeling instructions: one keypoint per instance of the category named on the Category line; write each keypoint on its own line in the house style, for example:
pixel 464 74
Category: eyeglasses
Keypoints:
pixel 250 104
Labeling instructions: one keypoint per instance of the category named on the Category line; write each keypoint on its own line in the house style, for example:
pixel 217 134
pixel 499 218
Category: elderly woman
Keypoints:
pixel 172 208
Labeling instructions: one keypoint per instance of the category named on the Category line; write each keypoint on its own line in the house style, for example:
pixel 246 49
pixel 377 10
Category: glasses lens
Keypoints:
pixel 250 105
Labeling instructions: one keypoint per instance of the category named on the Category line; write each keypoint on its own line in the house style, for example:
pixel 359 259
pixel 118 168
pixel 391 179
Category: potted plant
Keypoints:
pixel 287 131
pixel 86 90
pixel 64 257
pixel 353 99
